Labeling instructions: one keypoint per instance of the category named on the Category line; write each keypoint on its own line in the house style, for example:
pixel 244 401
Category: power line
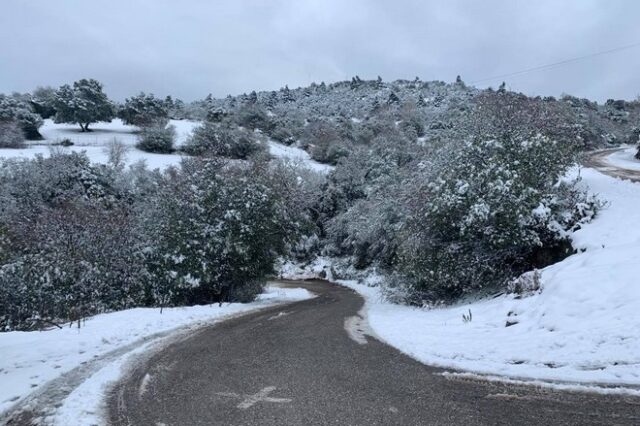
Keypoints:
pixel 555 64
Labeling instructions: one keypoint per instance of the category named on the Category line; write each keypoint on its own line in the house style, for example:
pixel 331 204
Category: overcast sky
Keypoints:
pixel 189 48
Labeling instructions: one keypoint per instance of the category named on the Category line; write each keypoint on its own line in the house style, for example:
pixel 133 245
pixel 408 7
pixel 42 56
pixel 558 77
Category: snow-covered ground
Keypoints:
pixel 297 155
pixel 625 158
pixel 101 134
pixel 29 361
pixel 94 142
pixel 582 328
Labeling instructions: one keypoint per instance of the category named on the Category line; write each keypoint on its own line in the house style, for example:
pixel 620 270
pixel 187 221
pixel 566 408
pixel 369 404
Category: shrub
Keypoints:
pixel 11 135
pixel 144 111
pixel 17 110
pixel 157 139
pixel 481 212
pixel 212 139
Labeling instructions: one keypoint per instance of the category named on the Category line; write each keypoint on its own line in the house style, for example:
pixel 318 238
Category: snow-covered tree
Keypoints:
pixel 17 110
pixel 84 103
pixel 145 110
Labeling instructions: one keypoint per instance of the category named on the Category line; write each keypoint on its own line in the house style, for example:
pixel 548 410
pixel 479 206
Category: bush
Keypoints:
pixel 18 111
pixel 481 213
pixel 214 140
pixel 11 135
pixel 78 239
pixel 144 111
pixel 157 139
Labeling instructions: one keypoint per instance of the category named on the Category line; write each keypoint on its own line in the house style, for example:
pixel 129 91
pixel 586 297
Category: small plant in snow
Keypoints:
pixel 467 317
pixel 527 283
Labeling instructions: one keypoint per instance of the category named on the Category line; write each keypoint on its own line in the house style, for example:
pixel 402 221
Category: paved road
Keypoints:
pixel 296 365
pixel 598 161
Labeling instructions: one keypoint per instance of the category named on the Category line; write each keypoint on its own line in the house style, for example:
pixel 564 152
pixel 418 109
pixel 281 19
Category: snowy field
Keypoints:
pixel 625 158
pixel 106 342
pixel 583 328
pixel 94 143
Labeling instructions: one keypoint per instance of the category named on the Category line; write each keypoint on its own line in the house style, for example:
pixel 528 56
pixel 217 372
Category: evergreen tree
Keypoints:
pixel 145 110
pixel 84 103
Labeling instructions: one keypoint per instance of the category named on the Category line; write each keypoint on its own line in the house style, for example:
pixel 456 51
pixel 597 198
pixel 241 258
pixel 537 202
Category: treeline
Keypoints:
pixel 78 238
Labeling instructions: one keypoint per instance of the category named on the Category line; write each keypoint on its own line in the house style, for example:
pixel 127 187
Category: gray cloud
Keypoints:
pixel 189 48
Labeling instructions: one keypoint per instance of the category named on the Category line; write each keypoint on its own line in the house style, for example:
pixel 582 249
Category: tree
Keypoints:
pixel 16 110
pixel 145 110
pixel 84 103
pixel 43 101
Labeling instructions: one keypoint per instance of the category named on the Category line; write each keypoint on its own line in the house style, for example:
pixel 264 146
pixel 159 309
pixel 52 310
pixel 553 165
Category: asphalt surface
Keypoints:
pixel 297 365
pixel 598 160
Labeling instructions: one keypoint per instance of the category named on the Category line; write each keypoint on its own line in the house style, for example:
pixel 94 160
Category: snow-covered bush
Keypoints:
pixel 144 110
pixel 72 245
pixel 16 111
pixel 11 135
pixel 157 139
pixel 213 139
pixel 78 239
pixel 483 211
pixel 217 232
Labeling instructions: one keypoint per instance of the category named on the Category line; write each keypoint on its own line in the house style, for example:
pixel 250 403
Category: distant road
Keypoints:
pixel 598 160
pixel 297 365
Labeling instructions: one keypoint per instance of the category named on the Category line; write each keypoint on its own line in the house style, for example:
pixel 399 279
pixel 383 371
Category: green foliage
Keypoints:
pixel 218 231
pixel 216 140
pixel 10 135
pixel 157 139
pixel 144 110
pixel 18 112
pixel 482 210
pixel 78 239
pixel 84 103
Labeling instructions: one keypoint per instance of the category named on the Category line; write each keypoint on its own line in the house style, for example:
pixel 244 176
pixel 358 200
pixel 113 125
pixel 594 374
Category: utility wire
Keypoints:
pixel 555 64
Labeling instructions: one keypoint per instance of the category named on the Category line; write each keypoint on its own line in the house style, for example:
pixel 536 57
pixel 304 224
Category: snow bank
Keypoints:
pixel 31 359
pixel 625 158
pixel 582 328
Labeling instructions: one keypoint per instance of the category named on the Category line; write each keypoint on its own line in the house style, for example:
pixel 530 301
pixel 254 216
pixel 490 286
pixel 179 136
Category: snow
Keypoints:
pixel 298 155
pixel 93 143
pixel 32 359
pixel 625 158
pixel 104 132
pixel 582 329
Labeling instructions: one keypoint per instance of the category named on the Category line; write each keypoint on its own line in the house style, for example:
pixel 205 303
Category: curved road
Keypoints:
pixel 297 365
pixel 598 160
